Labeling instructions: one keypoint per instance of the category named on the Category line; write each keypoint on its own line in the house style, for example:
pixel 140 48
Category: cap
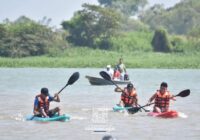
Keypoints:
pixel 130 85
pixel 45 91
pixel 163 84
pixel 108 66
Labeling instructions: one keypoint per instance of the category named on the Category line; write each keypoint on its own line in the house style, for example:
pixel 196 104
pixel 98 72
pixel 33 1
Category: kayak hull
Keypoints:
pixel 119 108
pixel 131 110
pixel 168 114
pixel 63 117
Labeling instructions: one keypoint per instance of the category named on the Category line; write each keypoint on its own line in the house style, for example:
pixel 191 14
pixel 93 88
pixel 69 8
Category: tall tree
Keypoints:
pixel 127 7
pixel 92 26
pixel 179 19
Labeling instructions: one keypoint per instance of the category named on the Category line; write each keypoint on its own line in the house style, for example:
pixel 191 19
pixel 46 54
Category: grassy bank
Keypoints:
pixel 84 57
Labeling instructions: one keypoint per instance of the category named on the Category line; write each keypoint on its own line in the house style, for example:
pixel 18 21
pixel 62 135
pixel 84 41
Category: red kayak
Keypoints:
pixel 168 114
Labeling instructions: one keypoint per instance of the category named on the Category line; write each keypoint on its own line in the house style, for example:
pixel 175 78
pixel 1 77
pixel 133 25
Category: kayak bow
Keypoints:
pixel 63 117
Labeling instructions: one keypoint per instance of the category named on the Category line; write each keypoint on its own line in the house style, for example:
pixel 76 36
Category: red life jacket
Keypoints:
pixel 128 98
pixel 116 74
pixel 43 103
pixel 162 100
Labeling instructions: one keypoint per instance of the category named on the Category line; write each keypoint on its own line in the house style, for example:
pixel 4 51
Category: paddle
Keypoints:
pixel 183 93
pixel 133 110
pixel 106 76
pixel 74 77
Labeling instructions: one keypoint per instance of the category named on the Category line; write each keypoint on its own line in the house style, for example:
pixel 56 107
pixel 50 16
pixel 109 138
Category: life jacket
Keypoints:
pixel 43 103
pixel 128 98
pixel 162 101
pixel 116 74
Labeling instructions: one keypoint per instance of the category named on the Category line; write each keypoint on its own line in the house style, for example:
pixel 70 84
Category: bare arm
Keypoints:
pixel 152 98
pixel 172 97
pixel 43 112
pixel 136 101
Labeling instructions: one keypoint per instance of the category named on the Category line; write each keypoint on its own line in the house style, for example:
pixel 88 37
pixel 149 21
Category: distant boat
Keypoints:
pixel 101 81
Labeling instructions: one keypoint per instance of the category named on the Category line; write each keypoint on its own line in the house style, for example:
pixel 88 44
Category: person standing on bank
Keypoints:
pixel 42 104
pixel 162 99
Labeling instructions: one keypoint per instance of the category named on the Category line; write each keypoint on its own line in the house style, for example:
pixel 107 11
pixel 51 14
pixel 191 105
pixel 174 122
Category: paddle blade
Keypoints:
pixel 105 75
pixel 184 93
pixel 73 78
pixel 134 110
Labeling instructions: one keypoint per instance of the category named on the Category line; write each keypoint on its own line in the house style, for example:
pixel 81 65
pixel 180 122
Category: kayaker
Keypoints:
pixel 161 99
pixel 128 96
pixel 42 103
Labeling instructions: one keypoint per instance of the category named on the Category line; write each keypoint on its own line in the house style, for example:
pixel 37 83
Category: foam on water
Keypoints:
pixel 182 115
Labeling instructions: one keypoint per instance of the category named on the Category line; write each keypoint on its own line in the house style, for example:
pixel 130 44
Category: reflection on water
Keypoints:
pixel 19 86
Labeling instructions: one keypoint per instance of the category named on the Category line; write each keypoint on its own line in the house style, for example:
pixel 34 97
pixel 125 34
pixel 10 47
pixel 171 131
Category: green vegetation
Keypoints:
pixel 179 19
pixel 86 57
pixel 160 41
pixel 25 37
pixel 127 7
pixel 100 34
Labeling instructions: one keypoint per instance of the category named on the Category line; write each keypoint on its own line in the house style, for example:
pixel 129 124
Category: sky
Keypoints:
pixel 57 10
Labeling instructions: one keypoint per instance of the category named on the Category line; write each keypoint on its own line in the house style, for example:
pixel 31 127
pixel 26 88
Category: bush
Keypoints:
pixel 160 41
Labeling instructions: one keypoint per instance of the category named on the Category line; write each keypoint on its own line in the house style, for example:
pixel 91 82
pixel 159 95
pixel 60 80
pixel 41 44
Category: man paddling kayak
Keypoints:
pixel 42 103
pixel 162 99
pixel 128 96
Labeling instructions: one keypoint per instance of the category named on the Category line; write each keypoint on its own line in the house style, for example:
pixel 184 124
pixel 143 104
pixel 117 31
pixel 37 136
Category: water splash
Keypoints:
pixel 18 117
pixel 182 115
pixel 78 118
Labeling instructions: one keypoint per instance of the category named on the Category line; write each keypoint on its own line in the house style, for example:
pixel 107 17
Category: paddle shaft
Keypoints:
pixel 62 88
pixel 73 78
pixel 183 93
pixel 123 91
pixel 107 77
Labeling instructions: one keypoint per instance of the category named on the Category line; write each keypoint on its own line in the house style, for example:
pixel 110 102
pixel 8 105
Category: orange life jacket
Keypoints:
pixel 162 100
pixel 128 98
pixel 43 103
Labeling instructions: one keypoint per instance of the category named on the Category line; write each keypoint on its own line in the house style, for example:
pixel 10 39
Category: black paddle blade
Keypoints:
pixel 105 75
pixel 73 78
pixel 133 110
pixel 184 93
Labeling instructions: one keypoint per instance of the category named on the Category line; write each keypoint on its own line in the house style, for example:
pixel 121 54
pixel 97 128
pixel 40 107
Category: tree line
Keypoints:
pixel 110 26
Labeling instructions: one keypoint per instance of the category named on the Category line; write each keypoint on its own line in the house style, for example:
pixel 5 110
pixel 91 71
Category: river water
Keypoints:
pixel 90 106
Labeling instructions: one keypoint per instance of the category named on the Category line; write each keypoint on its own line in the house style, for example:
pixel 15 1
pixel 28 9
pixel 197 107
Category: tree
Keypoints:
pixel 25 37
pixel 160 41
pixel 179 19
pixel 92 26
pixel 2 31
pixel 127 7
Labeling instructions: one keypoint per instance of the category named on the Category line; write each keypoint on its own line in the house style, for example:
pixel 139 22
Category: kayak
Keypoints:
pixel 168 114
pixel 120 108
pixel 63 117
pixel 131 110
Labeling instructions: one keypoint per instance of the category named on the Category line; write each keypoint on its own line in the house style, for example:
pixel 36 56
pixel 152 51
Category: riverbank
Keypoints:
pixel 84 57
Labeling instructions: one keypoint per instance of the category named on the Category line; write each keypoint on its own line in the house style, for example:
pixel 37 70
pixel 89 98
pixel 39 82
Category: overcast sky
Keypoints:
pixel 57 10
